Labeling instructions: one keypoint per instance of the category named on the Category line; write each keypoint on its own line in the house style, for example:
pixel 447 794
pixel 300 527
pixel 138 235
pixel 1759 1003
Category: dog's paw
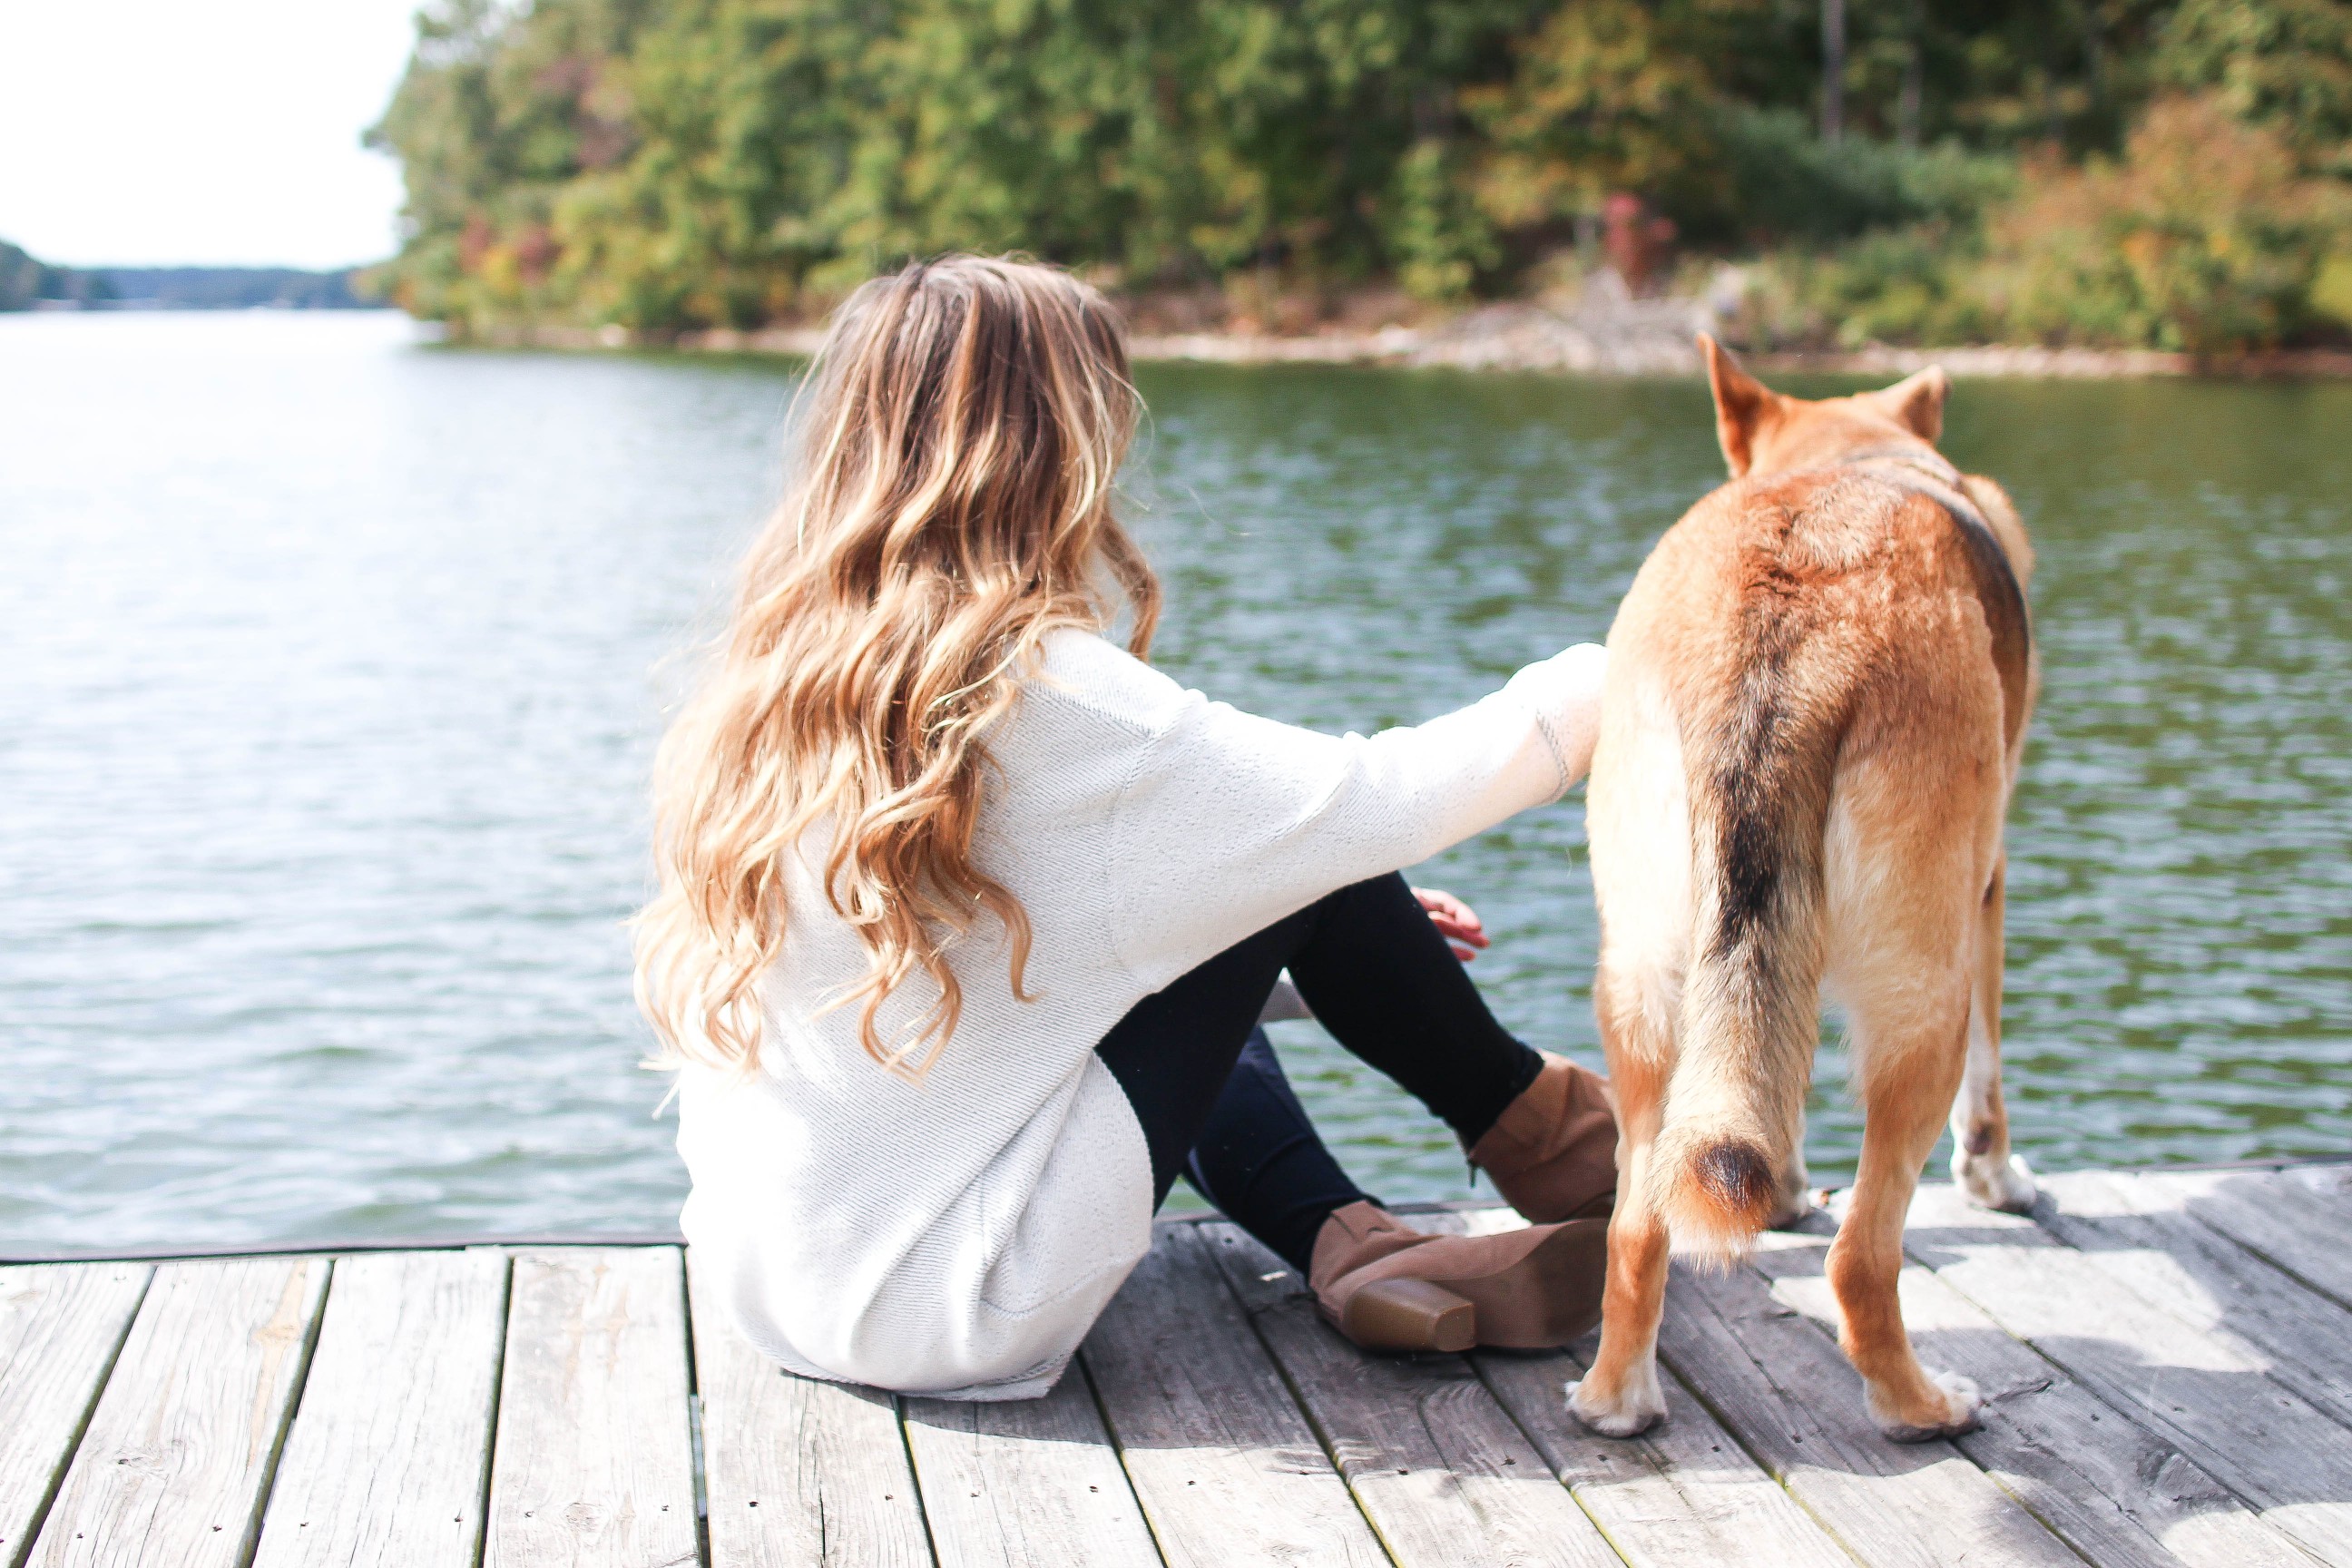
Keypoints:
pixel 1990 1184
pixel 1949 1409
pixel 1640 1406
pixel 1794 1212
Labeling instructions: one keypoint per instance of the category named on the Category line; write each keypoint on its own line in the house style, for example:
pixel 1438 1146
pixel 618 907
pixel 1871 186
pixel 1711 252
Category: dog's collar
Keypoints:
pixel 1920 459
pixel 1923 472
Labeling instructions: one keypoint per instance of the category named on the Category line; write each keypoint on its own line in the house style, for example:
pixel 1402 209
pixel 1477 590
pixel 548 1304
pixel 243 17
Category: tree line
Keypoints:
pixel 2159 173
pixel 28 283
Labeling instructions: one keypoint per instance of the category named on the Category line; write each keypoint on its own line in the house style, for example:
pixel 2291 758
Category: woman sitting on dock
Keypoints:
pixel 968 915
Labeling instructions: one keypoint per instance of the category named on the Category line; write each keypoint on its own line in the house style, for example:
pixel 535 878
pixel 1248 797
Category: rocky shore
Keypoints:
pixel 1605 330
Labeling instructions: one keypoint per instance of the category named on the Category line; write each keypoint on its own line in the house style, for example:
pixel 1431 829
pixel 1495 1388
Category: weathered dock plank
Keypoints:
pixel 177 1458
pixel 2168 1358
pixel 2207 1281
pixel 2300 1221
pixel 389 1455
pixel 1788 1393
pixel 2215 1403
pixel 2118 1493
pixel 1439 1467
pixel 1026 1482
pixel 1683 1492
pixel 797 1473
pixel 1225 1465
pixel 2330 1180
pixel 60 1326
pixel 593 1466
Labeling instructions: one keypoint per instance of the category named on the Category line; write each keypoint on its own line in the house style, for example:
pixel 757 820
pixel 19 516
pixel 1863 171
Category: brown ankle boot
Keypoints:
pixel 1553 1151
pixel 1391 1287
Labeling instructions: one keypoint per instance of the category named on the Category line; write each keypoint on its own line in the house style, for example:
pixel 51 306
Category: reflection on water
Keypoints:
pixel 333 666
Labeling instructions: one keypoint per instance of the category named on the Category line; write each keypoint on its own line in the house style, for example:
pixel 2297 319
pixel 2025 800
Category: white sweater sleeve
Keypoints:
pixel 1233 822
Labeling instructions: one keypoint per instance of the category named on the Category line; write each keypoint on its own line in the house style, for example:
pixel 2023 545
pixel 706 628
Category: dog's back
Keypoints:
pixel 1818 685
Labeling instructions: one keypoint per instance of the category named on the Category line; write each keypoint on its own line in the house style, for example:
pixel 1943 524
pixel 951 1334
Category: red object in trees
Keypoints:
pixel 1635 241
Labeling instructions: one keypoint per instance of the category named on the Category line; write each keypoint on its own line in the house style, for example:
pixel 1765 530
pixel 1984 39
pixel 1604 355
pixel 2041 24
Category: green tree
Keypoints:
pixel 2283 64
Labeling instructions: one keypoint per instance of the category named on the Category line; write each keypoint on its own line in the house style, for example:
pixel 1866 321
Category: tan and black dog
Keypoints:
pixel 1817 694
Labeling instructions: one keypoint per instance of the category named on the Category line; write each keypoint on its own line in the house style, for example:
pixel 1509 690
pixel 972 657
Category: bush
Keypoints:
pixel 1912 285
pixel 1792 187
pixel 2205 237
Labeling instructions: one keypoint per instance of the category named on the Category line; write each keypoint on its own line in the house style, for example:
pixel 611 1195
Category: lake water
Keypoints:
pixel 330 664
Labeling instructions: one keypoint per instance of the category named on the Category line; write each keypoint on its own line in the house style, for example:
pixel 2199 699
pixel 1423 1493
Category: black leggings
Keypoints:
pixel 1212 1099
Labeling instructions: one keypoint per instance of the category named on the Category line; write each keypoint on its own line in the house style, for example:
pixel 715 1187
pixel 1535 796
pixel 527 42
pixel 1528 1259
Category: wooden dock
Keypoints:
pixel 2168 1358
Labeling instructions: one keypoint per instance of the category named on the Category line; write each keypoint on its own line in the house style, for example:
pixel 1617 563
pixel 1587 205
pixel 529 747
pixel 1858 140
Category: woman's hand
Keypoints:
pixel 1456 921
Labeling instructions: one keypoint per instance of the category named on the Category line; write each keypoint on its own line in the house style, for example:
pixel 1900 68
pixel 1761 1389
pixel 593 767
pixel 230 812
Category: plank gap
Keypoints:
pixel 915 1474
pixel 1078 1364
pixel 698 1458
pixel 286 1409
pixel 39 1513
pixel 498 1393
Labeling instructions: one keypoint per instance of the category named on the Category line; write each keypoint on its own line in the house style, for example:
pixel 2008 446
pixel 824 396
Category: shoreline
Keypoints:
pixel 1654 339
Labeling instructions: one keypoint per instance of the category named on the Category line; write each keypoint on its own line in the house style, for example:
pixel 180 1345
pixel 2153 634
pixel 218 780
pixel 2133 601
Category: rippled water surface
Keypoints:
pixel 330 664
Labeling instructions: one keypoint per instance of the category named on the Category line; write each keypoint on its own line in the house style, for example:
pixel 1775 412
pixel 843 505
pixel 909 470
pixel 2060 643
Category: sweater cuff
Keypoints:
pixel 1563 693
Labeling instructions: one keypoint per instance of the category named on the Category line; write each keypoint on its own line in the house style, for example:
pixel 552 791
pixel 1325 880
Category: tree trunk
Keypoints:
pixel 1832 70
pixel 1915 72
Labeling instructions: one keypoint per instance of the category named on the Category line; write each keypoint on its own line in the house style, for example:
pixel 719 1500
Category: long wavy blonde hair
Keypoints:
pixel 959 440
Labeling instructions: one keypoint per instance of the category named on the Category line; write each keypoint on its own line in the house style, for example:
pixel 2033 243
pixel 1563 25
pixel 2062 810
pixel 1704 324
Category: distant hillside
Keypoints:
pixel 28 284
pixel 226 289
pixel 25 281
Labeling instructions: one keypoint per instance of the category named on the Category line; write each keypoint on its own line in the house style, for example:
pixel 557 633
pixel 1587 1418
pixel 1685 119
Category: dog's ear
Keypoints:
pixel 1916 402
pixel 1742 403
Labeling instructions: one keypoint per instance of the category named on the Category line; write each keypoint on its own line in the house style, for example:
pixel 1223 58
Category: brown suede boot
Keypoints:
pixel 1553 1151
pixel 1392 1287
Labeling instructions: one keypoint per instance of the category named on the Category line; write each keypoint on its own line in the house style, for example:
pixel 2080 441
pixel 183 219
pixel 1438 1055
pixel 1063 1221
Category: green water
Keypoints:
pixel 335 663
pixel 1352 548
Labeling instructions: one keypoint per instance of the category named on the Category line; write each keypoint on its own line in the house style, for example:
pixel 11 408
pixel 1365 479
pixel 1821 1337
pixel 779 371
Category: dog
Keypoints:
pixel 1816 701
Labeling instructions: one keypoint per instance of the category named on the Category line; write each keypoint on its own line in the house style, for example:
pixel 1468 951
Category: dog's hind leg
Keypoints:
pixel 1639 824
pixel 1909 1051
pixel 1982 1164
pixel 1903 941
pixel 1620 1395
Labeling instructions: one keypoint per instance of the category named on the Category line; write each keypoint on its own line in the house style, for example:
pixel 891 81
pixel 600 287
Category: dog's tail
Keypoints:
pixel 1759 778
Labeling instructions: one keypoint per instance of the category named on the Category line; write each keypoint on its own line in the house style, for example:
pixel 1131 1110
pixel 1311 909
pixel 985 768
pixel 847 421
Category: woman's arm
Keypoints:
pixel 1234 821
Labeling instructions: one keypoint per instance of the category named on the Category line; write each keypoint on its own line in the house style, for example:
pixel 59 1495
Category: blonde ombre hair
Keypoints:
pixel 959 440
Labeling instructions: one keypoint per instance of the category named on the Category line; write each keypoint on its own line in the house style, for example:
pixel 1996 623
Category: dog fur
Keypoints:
pixel 1817 695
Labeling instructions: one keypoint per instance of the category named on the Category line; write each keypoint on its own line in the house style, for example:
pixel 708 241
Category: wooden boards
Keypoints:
pixel 1786 1389
pixel 593 1466
pixel 2300 1221
pixel 1683 1492
pixel 798 1473
pixel 178 1455
pixel 1225 1465
pixel 2213 1400
pixel 1025 1481
pixel 1441 1470
pixel 2117 1493
pixel 2144 1240
pixel 2163 1354
pixel 389 1454
pixel 60 1326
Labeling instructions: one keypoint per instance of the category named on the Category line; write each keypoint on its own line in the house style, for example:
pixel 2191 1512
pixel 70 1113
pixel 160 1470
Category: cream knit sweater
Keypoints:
pixel 959 1236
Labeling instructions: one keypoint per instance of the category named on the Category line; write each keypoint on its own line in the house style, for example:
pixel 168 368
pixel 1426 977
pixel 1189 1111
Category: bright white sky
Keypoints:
pixel 155 132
